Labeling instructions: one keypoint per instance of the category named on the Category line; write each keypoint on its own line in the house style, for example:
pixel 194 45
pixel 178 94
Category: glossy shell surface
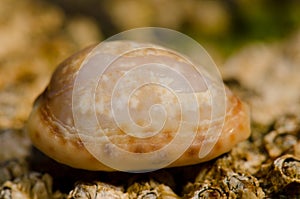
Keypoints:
pixel 52 129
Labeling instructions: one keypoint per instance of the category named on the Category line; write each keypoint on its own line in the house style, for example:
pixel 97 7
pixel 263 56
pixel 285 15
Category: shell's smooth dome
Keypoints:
pixel 141 110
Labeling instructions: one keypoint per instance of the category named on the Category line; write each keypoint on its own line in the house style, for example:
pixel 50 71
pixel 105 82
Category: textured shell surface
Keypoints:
pixel 136 126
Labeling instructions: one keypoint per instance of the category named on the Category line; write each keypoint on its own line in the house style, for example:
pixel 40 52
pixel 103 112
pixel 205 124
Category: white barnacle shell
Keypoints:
pixel 134 118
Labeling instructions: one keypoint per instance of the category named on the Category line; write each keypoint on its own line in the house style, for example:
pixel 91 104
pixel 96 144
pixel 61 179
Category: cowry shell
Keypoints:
pixel 62 120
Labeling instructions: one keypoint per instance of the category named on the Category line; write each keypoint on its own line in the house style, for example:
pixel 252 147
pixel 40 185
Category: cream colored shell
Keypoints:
pixel 52 129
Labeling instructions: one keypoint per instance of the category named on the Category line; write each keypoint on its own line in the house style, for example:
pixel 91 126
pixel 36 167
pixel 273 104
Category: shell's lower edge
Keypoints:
pixel 70 150
pixel 236 128
pixel 66 151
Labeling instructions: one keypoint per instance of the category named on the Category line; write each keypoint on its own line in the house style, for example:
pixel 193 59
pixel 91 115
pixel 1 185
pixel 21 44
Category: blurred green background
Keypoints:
pixel 225 25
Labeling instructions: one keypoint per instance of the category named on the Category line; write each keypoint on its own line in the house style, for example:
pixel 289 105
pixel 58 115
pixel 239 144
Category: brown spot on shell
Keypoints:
pixel 37 135
pixel 232 137
pixel 139 149
pixel 77 142
pixel 192 151
pixel 218 146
